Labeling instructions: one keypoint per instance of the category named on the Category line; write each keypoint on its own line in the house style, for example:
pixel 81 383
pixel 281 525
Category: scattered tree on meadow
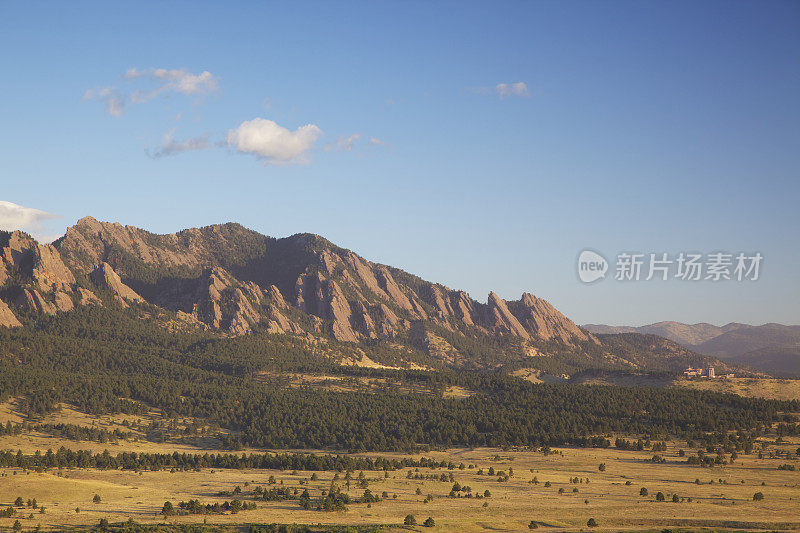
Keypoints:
pixel 168 509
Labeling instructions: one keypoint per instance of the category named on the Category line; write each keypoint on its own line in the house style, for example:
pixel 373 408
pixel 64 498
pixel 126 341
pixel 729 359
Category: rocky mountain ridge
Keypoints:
pixel 234 280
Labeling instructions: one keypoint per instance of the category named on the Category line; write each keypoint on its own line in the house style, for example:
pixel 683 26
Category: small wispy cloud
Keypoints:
pixel 113 99
pixel 177 81
pixel 348 143
pixel 170 146
pixel 505 90
pixel 160 82
pixel 272 143
pixel 16 217
pixel 343 143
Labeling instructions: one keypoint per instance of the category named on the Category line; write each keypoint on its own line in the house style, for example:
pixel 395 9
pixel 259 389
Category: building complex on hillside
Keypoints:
pixel 704 373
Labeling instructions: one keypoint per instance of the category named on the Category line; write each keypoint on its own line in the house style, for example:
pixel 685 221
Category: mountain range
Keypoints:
pixel 233 281
pixel 774 348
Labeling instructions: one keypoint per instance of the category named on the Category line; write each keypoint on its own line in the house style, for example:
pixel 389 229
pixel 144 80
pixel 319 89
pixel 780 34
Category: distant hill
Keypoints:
pixel 774 348
pixel 771 347
pixel 655 352
pixel 686 334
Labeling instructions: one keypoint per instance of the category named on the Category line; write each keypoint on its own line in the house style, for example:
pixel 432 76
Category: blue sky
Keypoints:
pixel 386 127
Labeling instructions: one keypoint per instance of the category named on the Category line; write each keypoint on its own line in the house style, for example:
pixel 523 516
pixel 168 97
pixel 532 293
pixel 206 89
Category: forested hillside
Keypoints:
pixel 108 360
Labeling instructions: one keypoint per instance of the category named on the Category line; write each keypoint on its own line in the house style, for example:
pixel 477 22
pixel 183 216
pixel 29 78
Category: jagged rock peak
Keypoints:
pixel 501 320
pixel 543 320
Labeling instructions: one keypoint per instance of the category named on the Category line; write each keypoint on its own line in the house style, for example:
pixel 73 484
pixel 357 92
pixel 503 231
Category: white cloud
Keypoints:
pixel 161 81
pixel 177 80
pixel 16 217
pixel 273 143
pixel 184 82
pixel 374 141
pixel 344 144
pixel 504 90
pixel 170 146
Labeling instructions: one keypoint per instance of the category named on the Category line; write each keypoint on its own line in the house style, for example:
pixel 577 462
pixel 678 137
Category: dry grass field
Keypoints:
pixel 343 383
pixel 511 507
pixel 770 388
pixel 722 500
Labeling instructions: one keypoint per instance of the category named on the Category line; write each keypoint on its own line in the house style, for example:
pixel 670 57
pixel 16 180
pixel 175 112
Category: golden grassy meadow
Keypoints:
pixel 611 497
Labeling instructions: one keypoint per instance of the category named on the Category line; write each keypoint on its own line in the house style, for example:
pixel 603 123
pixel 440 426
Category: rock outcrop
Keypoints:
pixel 222 302
pixel 87 297
pixel 45 284
pixel 500 319
pixel 544 321
pixel 7 317
pixel 105 278
pixel 319 296
pixel 86 246
pixel 439 301
pixel 49 270
pixel 32 300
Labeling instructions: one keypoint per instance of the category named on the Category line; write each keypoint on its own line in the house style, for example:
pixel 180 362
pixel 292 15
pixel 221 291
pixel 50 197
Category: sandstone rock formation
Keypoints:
pixel 87 297
pixel 501 320
pixel 546 322
pixel 49 270
pixel 45 284
pixel 105 278
pixel 32 300
pixel 7 317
